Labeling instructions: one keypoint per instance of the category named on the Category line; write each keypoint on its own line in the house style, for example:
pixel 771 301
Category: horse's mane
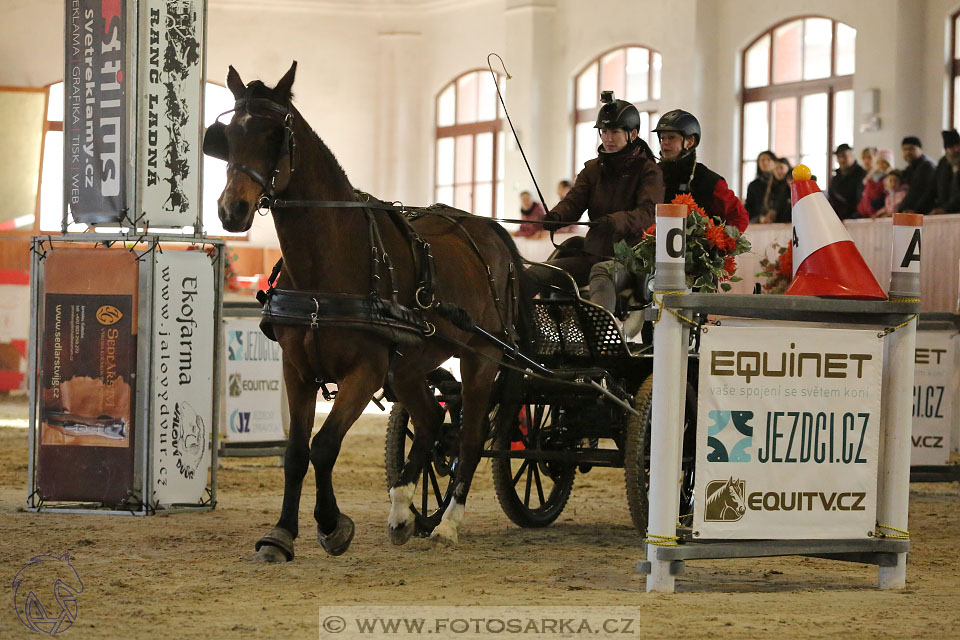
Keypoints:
pixel 256 89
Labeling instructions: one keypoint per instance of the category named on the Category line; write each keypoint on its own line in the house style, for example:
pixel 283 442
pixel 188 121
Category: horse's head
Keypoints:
pixel 257 144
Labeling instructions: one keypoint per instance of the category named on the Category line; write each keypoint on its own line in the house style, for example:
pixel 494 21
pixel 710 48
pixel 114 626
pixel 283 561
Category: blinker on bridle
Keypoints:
pixel 215 144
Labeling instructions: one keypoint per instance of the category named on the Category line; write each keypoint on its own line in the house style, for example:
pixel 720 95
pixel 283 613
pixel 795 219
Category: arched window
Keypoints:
pixel 955 70
pixel 797 94
pixel 468 171
pixel 633 74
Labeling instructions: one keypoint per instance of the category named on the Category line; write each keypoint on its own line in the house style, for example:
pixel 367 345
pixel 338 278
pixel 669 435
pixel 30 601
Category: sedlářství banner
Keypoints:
pixel 788 432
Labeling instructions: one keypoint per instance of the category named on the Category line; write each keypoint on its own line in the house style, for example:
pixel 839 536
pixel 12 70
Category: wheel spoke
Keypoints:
pixel 526 494
pixel 516 478
pixel 436 485
pixel 424 491
pixel 536 471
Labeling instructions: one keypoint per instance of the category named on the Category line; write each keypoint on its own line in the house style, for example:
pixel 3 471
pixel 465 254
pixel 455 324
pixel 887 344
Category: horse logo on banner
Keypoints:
pixel 36 580
pixel 725 501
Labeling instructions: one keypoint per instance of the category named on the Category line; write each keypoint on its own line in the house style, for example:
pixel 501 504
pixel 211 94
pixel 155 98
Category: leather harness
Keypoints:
pixel 372 313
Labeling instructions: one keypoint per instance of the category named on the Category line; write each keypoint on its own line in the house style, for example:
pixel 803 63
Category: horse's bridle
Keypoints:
pixel 288 147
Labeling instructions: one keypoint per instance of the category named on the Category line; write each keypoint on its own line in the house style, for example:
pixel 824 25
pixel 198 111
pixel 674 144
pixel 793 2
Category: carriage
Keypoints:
pixel 587 405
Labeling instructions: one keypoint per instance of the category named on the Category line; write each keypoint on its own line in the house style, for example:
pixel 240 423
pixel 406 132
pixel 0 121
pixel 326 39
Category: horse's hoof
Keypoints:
pixel 275 546
pixel 402 534
pixel 444 534
pixel 338 540
pixel 269 553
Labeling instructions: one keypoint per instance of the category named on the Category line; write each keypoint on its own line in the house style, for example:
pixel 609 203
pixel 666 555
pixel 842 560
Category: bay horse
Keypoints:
pixel 326 247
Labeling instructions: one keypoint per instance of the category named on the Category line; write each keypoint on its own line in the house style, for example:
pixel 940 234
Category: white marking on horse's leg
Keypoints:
pixel 447 530
pixel 401 498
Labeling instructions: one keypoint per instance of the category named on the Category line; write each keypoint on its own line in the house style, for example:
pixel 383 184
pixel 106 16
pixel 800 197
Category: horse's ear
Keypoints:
pixel 281 93
pixel 235 84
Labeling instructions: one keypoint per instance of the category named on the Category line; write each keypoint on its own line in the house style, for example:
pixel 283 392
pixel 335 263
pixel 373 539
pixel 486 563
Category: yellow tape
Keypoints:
pixel 901 534
pixel 662 541
pixel 660 307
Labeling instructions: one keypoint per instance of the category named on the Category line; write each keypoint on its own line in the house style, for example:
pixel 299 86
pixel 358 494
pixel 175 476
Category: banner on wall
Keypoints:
pixel 182 370
pixel 171 112
pixel 935 381
pixel 788 430
pixel 254 383
pixel 95 122
pixel 86 377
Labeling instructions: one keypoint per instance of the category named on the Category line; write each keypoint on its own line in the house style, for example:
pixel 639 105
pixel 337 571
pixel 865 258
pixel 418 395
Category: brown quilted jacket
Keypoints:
pixel 626 186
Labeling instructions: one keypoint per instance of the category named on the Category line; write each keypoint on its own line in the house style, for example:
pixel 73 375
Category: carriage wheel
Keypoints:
pixel 637 457
pixel 532 493
pixel 437 475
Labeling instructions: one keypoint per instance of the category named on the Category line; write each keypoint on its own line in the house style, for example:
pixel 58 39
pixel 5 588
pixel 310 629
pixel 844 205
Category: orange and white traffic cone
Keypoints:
pixel 826 262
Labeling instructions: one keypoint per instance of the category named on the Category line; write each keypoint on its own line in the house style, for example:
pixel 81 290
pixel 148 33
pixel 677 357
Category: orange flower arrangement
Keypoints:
pixel 711 247
pixel 779 271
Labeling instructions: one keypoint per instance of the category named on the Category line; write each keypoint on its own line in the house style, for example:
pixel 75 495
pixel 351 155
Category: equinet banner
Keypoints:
pixel 788 429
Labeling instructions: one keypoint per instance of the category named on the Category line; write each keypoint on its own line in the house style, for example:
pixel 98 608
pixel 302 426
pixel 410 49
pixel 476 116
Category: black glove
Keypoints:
pixel 605 226
pixel 552 221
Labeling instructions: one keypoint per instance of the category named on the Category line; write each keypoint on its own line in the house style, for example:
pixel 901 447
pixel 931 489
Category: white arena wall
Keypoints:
pixel 369 70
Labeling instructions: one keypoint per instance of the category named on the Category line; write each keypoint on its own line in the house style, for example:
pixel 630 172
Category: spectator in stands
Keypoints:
pixel 846 187
pixel 919 177
pixel 529 210
pixel 894 192
pixel 780 191
pixel 758 202
pixel 947 175
pixel 563 188
pixel 877 164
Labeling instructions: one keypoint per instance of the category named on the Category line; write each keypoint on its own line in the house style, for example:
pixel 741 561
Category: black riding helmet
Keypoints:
pixel 617 114
pixel 682 122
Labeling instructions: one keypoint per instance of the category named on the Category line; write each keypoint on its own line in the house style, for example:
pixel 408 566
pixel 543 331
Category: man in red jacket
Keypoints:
pixel 679 133
pixel 620 188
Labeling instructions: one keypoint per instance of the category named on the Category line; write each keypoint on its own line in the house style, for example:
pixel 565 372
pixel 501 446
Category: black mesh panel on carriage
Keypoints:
pixel 604 335
pixel 558 331
pixel 575 329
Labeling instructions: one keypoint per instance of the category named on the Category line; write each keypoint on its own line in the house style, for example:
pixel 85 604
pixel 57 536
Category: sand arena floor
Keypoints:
pixel 191 576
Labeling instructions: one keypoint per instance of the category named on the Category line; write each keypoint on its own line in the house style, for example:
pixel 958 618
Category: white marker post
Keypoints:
pixel 670 350
pixel 897 421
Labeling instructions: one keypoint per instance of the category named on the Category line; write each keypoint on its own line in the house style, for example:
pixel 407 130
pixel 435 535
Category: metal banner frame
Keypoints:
pixel 141 500
pixel 666 546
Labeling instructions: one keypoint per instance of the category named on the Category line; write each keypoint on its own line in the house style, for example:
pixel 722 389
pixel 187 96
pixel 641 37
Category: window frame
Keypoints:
pixel 473 129
pixel 48 125
pixel 648 106
pixel 954 67
pixel 771 92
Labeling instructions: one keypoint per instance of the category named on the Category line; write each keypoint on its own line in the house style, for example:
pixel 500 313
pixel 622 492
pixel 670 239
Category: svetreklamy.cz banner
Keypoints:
pixel 96 87
pixel 787 432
